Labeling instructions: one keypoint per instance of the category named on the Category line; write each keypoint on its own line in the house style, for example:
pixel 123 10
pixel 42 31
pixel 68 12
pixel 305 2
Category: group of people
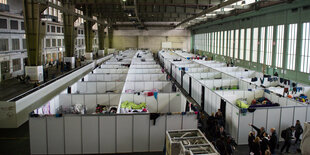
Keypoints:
pixel 264 144
pixel 217 135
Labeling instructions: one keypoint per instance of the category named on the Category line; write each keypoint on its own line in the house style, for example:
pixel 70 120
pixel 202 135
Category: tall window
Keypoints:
pixel 228 43
pixel 14 24
pixel 48 42
pixel 232 43
pixel 219 43
pixel 254 44
pixel 54 43
pixel 269 45
pixel 305 49
pixel 262 44
pixel 224 43
pixel 280 43
pixel 15 44
pixel 4 44
pixel 236 43
pixel 24 44
pixel 16 65
pixel 216 42
pixel 248 44
pixel 3 1
pixel 241 55
pixel 3 24
pixel 291 48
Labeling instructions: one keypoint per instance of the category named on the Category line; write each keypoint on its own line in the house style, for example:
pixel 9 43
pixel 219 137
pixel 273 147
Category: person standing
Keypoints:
pixel 273 142
pixel 256 146
pixel 260 131
pixel 251 139
pixel 298 131
pixel 265 143
pixel 288 136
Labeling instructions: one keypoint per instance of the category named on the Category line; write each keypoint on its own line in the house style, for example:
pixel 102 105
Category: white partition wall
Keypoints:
pixel 95 134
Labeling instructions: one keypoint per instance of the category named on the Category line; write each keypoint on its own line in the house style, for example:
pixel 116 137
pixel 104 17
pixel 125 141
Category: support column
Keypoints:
pixel 89 34
pixel 35 31
pixel 69 33
pixel 110 36
pixel 32 30
pixel 101 39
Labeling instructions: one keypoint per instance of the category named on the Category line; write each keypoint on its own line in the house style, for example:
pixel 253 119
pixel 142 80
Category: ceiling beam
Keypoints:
pixel 226 3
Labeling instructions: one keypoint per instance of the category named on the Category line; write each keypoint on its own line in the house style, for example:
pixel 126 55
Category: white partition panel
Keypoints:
pixel 141 133
pixel 139 98
pixel 73 138
pixel 77 99
pixel 174 122
pixel 64 99
pixel 260 118
pixel 124 133
pixel 90 103
pixel 273 119
pixel 114 99
pixel 228 117
pixel 91 87
pixel 152 104
pixel 90 134
pixel 107 129
pixel 37 128
pixel 157 133
pixel 175 102
pixel 55 135
pixel 189 122
pixel 286 118
pixel 103 99
pixel 235 121
pixel 300 114
pixel 244 128
pixel 163 102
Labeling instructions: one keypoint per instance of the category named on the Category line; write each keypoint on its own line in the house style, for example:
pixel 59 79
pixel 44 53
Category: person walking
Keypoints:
pixel 273 142
pixel 298 131
pixel 288 136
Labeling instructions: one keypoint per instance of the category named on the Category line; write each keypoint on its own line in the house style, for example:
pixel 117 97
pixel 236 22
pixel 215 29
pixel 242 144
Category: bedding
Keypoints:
pixel 242 103
pixel 263 102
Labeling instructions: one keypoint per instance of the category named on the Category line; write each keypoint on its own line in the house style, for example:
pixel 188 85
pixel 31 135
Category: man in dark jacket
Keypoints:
pixel 287 139
pixel 260 132
pixel 298 131
pixel 273 142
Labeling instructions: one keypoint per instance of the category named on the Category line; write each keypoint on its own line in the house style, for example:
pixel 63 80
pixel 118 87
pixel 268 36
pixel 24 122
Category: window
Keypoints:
pixel 241 55
pixel 4 44
pixel 236 43
pixel 305 50
pixel 254 44
pixel 14 24
pixel 291 49
pixel 24 44
pixel 269 45
pixel 210 42
pixel 58 30
pixel 224 43
pixel 16 65
pixel 262 45
pixel 22 25
pixel 280 42
pixel 63 42
pixel 48 42
pixel 53 29
pixel 216 41
pixel 248 44
pixel 228 43
pixel 232 34
pixel 219 42
pixel 48 28
pixel 3 1
pixel 53 42
pixel 3 24
pixel 15 44
pixel 59 42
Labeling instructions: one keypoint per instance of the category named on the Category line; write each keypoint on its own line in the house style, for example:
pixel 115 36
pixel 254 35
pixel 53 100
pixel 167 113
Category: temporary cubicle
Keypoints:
pixel 105 77
pixel 146 77
pixel 110 70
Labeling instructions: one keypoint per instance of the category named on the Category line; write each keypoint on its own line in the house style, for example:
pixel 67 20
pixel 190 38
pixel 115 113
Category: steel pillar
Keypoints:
pixel 110 36
pixel 35 31
pixel 101 36
pixel 89 33
pixel 69 31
